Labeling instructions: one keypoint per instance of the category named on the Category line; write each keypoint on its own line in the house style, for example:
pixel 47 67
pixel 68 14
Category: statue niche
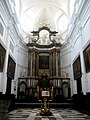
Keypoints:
pixel 44 82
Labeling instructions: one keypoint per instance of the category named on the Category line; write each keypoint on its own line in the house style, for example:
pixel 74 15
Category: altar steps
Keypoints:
pixel 38 105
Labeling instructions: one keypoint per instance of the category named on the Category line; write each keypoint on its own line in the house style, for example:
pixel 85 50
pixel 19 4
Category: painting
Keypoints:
pixel 87 58
pixel 43 62
pixel 77 68
pixel 11 67
pixel 2 57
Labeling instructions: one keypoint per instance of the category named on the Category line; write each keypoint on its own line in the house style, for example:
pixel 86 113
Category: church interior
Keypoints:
pixel 44 60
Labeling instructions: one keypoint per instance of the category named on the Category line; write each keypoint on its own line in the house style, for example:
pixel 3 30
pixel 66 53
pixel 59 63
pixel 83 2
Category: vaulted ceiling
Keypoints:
pixel 55 14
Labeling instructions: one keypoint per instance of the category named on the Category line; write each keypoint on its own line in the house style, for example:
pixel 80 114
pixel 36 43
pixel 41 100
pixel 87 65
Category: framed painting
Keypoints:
pixel 2 57
pixel 87 58
pixel 11 67
pixel 43 62
pixel 77 68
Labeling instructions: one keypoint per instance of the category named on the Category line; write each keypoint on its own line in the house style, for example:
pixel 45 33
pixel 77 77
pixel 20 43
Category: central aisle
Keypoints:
pixel 58 114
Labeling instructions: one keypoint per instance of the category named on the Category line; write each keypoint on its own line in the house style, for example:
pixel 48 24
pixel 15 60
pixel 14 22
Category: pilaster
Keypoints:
pixel 6 60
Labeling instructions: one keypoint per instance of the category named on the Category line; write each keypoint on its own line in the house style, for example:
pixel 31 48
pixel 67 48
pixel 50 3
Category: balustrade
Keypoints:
pixel 31 84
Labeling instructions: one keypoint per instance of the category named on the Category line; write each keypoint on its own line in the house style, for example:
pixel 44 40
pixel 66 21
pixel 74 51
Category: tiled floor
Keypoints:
pixel 58 114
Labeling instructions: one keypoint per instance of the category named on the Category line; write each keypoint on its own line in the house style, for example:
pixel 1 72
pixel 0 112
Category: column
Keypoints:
pixel 56 65
pixel 54 62
pixel 29 62
pixel 58 55
pixel 33 62
pixel 84 81
pixel 50 62
pixel 36 63
pixel 59 70
pixel 4 84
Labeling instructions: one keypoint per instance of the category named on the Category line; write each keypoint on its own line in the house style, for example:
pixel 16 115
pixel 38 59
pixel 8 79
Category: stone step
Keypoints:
pixel 38 105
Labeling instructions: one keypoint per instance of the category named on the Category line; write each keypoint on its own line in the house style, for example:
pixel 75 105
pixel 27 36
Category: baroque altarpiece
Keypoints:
pixel 43 63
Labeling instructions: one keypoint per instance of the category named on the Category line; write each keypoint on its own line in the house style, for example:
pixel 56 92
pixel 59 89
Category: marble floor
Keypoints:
pixel 57 114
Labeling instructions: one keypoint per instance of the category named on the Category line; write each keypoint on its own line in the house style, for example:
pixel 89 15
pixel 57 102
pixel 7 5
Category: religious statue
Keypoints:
pixel 44 81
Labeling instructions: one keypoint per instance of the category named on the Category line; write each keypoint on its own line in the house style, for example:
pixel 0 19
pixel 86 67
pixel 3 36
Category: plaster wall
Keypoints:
pixel 11 40
pixel 65 56
pixel 79 39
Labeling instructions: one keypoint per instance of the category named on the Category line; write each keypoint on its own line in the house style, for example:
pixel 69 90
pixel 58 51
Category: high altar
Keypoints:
pixel 44 81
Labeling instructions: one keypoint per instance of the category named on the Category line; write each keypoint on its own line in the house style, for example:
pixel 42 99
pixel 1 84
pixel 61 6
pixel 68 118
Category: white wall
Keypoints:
pixel 80 38
pixel 12 42
pixel 86 42
pixel 22 60
pixel 65 60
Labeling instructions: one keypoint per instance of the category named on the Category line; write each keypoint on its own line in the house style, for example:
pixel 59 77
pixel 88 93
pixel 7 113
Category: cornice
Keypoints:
pixel 84 5
pixel 8 7
pixel 43 46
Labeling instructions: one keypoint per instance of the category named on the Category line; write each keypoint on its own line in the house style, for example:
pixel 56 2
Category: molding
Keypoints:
pixel 73 60
pixel 12 39
pixel 12 56
pixel 3 44
pixel 63 54
pixel 24 53
pixel 86 21
pixel 3 15
pixel 6 7
pixel 67 66
pixel 75 40
pixel 44 49
pixel 22 66
pixel 83 7
pixel 22 46
pixel 88 42
pixel 65 46
pixel 2 20
pixel 44 46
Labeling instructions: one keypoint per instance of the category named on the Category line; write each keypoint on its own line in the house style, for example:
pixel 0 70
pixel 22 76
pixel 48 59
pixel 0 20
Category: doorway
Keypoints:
pixel 8 89
pixel 79 85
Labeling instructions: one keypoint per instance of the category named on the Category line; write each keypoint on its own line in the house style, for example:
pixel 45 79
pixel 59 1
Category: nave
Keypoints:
pixel 57 114
pixel 44 59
